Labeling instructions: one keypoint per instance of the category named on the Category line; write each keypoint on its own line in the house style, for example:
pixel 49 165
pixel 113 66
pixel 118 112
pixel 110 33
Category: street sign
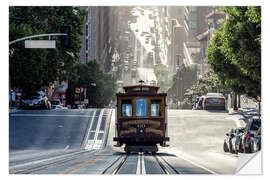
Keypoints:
pixel 48 44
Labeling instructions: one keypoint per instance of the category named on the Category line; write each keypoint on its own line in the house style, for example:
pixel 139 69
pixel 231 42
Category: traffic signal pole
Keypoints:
pixel 38 35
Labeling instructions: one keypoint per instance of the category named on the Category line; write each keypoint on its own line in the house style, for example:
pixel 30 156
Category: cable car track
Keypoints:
pixel 118 167
pixel 56 163
pixel 166 167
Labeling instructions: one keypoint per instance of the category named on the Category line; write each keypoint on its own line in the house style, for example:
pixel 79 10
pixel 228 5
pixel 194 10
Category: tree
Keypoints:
pixel 208 83
pixel 164 77
pixel 234 52
pixel 99 95
pixel 30 69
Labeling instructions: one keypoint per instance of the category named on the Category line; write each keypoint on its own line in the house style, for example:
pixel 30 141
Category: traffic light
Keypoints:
pixel 65 40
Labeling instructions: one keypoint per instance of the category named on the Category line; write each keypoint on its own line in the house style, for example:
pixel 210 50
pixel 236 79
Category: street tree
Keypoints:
pixel 30 69
pixel 208 83
pixel 164 77
pixel 234 52
pixel 100 87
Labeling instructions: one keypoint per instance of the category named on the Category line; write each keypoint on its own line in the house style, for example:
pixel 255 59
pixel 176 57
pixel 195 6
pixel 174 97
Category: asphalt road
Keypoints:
pixel 80 142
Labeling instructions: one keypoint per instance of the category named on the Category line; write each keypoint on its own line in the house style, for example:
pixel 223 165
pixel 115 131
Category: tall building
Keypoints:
pixel 213 19
pixel 89 38
pixel 99 36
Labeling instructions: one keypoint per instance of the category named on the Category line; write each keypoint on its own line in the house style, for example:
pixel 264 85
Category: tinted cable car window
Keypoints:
pixel 126 108
pixel 141 107
pixel 155 108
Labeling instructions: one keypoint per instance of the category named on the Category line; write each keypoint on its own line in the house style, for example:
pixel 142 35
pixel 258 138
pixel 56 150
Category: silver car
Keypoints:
pixel 214 101
pixel 56 104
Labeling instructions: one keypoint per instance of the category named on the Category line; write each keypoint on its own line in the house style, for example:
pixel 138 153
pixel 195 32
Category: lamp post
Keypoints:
pixel 93 84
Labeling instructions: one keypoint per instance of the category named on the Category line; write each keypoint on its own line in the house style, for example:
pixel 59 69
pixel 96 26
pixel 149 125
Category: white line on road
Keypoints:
pixel 236 120
pixel 178 154
pixel 143 165
pixel 49 115
pixel 47 159
pixel 140 165
pixel 66 147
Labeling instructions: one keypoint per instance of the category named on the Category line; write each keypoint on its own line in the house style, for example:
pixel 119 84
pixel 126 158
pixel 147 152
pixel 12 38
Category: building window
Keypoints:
pixel 86 56
pixel 86 30
pixel 86 44
pixel 192 24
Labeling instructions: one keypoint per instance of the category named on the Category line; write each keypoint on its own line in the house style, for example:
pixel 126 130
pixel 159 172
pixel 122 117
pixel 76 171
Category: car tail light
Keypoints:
pixel 248 137
pixel 222 99
pixel 208 98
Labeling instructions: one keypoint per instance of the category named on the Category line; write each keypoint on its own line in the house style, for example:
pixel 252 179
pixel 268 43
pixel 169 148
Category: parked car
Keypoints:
pixel 238 140
pixel 56 104
pixel 232 139
pixel 256 141
pixel 199 105
pixel 36 99
pixel 214 101
pixel 250 130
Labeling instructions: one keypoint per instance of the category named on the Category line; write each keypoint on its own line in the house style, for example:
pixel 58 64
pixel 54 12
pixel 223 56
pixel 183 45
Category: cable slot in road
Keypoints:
pixel 166 167
pixel 140 164
pixel 116 165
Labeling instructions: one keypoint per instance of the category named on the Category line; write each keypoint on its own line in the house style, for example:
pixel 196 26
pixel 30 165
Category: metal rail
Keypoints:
pixel 116 170
pixel 120 165
pixel 54 163
pixel 166 167
pixel 161 165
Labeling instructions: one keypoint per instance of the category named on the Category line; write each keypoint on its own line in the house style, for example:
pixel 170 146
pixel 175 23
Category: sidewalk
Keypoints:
pixel 246 113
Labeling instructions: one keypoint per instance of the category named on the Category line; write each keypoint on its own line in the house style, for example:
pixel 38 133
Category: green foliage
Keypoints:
pixel 100 95
pixel 234 52
pixel 34 68
pixel 208 83
pixel 164 77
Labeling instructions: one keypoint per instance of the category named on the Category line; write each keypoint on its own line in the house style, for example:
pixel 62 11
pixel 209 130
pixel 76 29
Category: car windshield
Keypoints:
pixel 55 102
pixel 256 124
pixel 33 95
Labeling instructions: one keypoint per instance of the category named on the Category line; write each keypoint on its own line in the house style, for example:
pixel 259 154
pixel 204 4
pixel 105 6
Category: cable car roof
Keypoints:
pixel 141 88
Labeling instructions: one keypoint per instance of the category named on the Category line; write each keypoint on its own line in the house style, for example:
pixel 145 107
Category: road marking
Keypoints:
pixel 78 167
pixel 143 165
pixel 50 159
pixel 49 115
pixel 229 157
pixel 236 120
pixel 66 147
pixel 192 162
pixel 140 165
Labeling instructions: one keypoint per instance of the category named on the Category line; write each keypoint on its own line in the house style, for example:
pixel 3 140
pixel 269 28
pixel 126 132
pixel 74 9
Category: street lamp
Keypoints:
pixel 93 84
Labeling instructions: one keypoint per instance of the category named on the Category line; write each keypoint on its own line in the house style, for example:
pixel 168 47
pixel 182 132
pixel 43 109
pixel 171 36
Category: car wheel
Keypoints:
pixel 231 148
pixel 49 105
pixel 225 147
pixel 247 150
pixel 259 146
pixel 236 149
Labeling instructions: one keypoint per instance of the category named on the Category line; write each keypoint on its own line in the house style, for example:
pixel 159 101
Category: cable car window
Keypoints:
pixel 140 89
pixel 141 107
pixel 126 108
pixel 156 108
